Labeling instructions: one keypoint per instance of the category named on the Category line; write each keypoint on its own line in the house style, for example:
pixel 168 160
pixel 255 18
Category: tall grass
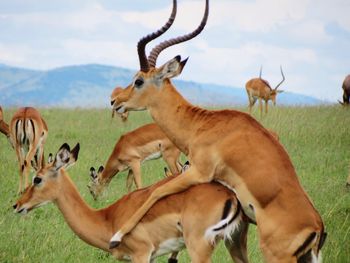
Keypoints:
pixel 316 138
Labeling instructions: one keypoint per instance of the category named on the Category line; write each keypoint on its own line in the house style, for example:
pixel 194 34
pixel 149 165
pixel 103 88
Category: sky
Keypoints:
pixel 309 38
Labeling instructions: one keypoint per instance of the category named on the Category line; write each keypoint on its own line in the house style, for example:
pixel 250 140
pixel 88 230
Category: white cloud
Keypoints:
pixel 261 31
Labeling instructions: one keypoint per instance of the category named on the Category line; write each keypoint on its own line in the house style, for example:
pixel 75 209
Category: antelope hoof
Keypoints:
pixel 115 240
pixel 114 244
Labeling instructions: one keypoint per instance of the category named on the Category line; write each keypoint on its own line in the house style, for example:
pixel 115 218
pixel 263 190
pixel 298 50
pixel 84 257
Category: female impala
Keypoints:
pixel 196 218
pixel 260 89
pixel 28 132
pixel 145 143
pixel 230 147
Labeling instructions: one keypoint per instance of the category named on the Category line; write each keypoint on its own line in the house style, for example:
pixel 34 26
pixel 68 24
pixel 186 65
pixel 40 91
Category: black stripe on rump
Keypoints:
pixel 305 244
pixel 227 208
pixel 232 219
pixel 17 123
pixel 32 122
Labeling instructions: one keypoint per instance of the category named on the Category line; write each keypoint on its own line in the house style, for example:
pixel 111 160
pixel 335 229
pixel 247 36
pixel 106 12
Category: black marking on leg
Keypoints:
pixel 172 260
pixel 25 163
pixel 305 244
pixel 22 167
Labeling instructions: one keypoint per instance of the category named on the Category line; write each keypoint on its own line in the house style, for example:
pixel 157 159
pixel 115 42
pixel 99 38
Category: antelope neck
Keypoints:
pixel 87 223
pixel 175 116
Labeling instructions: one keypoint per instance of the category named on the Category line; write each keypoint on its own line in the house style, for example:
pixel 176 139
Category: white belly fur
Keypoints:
pixel 168 246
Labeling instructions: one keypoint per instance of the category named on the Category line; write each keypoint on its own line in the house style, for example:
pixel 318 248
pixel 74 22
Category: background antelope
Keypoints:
pixel 260 89
pixel 28 132
pixel 230 147
pixel 142 144
pixel 346 91
pixel 196 218
pixel 4 127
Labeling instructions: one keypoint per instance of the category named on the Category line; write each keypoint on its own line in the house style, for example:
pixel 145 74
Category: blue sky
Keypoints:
pixel 309 38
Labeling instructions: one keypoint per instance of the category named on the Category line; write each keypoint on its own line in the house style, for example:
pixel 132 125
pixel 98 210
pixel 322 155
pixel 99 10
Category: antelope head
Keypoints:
pixel 96 186
pixel 151 80
pixel 46 185
pixel 275 91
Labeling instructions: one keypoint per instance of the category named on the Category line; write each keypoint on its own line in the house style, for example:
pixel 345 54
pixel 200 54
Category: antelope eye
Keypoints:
pixel 37 180
pixel 138 83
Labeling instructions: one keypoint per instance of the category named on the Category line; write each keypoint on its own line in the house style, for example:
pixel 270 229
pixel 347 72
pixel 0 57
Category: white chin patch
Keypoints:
pixel 121 110
pixel 23 211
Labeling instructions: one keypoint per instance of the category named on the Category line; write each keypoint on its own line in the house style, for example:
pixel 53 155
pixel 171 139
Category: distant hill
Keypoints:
pixel 91 85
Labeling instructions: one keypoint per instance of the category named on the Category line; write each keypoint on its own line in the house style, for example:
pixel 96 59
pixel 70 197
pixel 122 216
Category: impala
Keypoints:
pixel 196 218
pixel 258 88
pixel 346 91
pixel 4 128
pixel 28 132
pixel 230 147
pixel 145 143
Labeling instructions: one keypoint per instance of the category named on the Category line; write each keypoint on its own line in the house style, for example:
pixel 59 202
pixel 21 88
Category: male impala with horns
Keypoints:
pixel 230 147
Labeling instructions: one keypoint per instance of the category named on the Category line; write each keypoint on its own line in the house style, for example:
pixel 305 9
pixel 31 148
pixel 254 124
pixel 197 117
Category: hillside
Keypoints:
pixel 90 86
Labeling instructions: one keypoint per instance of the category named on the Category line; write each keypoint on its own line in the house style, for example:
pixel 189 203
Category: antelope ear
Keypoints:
pixel 50 158
pixel 93 174
pixel 172 68
pixel 65 157
pixel 185 167
pixel 280 91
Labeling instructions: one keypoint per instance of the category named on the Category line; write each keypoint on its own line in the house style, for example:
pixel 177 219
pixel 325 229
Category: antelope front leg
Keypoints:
pixel 129 180
pixel 178 184
pixel 260 107
pixel 136 169
pixel 27 164
pixel 172 161
pixel 21 168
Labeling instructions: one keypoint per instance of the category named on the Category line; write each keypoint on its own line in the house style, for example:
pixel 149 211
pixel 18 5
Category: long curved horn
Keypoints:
pixel 141 45
pixel 152 58
pixel 260 72
pixel 283 78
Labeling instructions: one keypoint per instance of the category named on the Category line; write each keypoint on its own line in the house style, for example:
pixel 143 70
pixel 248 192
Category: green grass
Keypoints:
pixel 316 138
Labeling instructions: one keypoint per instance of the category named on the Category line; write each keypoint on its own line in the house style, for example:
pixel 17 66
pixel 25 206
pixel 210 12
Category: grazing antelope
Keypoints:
pixel 28 132
pixel 4 127
pixel 196 218
pixel 258 88
pixel 115 97
pixel 346 91
pixel 230 147
pixel 145 143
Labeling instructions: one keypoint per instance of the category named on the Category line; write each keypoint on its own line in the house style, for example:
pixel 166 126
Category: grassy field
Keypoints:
pixel 317 139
